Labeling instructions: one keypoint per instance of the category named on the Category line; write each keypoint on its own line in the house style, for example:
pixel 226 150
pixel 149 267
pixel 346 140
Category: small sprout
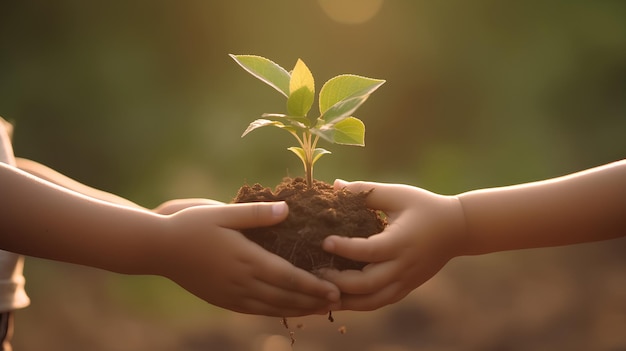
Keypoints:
pixel 338 98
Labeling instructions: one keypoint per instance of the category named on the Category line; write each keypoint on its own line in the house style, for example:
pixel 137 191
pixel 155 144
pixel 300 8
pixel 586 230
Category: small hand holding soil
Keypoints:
pixel 314 213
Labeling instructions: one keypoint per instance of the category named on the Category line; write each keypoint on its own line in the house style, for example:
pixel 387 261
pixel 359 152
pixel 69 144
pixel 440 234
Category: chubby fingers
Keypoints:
pixel 373 278
pixel 386 295
pixel 385 197
pixel 244 215
pixel 375 248
pixel 383 292
pixel 267 284
pixel 287 286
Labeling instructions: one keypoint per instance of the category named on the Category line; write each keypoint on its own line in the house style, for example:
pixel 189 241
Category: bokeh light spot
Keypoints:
pixel 351 11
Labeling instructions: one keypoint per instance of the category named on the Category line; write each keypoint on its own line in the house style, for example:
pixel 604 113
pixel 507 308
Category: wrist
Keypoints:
pixel 152 247
pixel 457 227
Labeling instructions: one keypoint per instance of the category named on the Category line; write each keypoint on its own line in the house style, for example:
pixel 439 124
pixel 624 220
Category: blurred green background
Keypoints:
pixel 140 98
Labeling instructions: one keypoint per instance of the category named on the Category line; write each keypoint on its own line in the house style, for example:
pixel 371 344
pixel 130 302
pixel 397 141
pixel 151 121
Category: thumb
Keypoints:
pixel 382 196
pixel 376 248
pixel 356 187
pixel 250 215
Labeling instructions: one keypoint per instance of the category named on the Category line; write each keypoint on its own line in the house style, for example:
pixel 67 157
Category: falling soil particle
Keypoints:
pixel 292 334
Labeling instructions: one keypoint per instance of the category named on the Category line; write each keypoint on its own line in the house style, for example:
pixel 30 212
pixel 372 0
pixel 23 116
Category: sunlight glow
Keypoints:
pixel 351 11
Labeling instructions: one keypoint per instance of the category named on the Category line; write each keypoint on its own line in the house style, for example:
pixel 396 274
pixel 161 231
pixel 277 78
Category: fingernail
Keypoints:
pixel 328 244
pixel 333 296
pixel 340 183
pixel 279 209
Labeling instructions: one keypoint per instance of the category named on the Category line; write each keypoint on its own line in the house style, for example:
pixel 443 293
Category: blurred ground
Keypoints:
pixel 549 299
pixel 141 99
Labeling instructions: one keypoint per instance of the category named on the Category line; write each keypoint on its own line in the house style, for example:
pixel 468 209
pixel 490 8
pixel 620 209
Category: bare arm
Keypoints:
pixel 42 219
pixel 426 230
pixel 47 173
pixel 197 247
pixel 582 207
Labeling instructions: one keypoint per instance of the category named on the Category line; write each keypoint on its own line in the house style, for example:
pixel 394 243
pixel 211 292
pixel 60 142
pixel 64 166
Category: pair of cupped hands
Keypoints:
pixel 233 272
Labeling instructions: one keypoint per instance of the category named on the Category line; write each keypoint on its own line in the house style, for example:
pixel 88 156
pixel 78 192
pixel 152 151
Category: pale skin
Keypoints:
pixel 193 242
pixel 426 230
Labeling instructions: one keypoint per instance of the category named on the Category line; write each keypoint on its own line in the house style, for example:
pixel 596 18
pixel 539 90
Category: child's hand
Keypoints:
pixel 424 232
pixel 207 256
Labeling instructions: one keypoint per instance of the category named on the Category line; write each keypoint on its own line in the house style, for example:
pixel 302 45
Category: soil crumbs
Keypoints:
pixel 314 213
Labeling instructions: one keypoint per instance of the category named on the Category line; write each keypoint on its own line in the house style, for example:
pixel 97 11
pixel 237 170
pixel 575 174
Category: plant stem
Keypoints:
pixel 308 164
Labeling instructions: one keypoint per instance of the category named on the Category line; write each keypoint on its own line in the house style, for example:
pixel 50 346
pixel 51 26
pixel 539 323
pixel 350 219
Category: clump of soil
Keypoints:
pixel 314 213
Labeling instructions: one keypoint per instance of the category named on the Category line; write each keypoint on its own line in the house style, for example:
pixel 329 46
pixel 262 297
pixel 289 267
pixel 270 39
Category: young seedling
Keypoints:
pixel 338 99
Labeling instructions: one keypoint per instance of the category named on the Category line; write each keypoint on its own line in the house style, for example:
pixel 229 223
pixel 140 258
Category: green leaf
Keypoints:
pixel 343 109
pixel 350 131
pixel 301 124
pixel 346 86
pixel 301 90
pixel 298 121
pixel 265 70
pixel 300 153
pixel 274 115
pixel 262 123
pixel 317 153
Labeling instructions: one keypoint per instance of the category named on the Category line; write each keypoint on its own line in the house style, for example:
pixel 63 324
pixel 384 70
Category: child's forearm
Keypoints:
pixel 46 173
pixel 582 207
pixel 40 219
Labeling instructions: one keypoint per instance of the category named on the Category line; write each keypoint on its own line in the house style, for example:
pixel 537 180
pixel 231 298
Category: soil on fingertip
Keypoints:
pixel 314 213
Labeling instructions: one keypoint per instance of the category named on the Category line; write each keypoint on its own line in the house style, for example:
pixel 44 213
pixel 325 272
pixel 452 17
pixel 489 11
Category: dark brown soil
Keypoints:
pixel 314 213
